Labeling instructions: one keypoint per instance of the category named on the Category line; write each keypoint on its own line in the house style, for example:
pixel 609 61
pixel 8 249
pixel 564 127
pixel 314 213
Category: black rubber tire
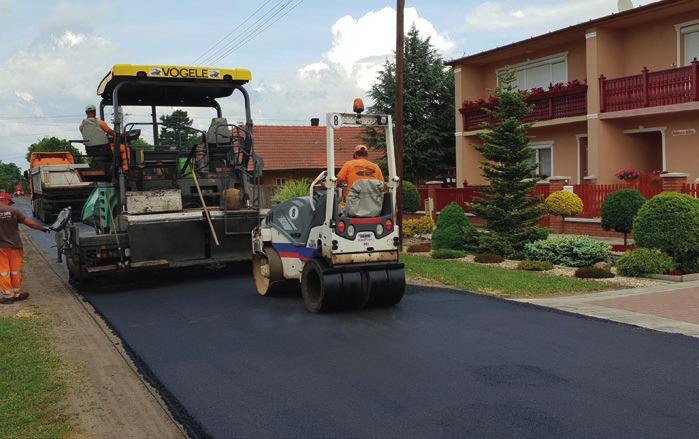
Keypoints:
pixel 315 286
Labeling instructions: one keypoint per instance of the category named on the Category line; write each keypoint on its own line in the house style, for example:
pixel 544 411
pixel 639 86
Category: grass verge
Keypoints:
pixel 31 388
pixel 495 280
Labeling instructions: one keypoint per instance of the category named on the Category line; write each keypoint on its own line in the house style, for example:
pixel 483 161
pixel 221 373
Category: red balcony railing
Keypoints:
pixel 557 102
pixel 650 89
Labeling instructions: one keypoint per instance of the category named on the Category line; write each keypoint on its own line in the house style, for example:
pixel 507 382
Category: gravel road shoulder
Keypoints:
pixel 107 397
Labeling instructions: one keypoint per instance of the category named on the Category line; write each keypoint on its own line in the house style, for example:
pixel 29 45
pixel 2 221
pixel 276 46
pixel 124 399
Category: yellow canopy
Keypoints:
pixel 153 84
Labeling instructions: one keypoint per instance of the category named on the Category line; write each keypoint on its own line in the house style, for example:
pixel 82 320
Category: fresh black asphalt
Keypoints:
pixel 440 364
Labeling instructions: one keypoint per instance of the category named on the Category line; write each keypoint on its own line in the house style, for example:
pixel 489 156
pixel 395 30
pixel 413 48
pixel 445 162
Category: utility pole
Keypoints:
pixel 399 120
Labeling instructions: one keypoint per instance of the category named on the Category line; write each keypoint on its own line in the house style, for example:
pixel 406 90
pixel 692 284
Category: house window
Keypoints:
pixel 690 38
pixel 543 158
pixel 280 181
pixel 540 73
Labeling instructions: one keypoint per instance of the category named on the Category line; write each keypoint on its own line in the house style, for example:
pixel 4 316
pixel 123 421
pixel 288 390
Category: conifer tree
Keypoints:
pixel 429 109
pixel 507 205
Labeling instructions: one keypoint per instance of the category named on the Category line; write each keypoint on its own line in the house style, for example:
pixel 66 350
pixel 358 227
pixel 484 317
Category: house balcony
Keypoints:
pixel 559 101
pixel 673 87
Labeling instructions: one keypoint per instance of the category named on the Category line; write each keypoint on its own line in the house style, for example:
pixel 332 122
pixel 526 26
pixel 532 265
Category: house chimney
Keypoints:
pixel 315 122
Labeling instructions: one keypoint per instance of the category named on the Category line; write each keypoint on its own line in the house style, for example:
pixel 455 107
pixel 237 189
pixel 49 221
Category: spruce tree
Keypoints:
pixel 429 109
pixel 507 205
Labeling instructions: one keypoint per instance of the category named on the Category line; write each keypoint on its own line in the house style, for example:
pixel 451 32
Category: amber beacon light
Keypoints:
pixel 358 106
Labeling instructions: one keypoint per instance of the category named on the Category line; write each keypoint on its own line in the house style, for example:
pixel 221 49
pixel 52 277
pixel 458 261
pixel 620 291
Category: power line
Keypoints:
pixel 261 30
pixel 264 19
pixel 40 117
pixel 231 32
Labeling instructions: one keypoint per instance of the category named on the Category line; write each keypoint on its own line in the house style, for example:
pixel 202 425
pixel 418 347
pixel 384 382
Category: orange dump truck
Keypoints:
pixel 55 183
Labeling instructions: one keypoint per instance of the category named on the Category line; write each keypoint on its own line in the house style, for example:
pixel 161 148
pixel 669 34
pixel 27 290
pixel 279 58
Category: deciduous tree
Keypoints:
pixel 54 144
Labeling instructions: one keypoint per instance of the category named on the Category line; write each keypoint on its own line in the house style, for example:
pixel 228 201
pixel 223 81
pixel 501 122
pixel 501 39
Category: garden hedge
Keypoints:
pixel 569 250
pixel 454 230
pixel 411 197
pixel 669 222
pixel 644 261
pixel 564 203
pixel 619 210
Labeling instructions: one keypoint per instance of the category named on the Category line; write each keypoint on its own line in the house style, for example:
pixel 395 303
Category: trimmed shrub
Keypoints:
pixel 644 261
pixel 495 244
pixel 570 251
pixel 564 203
pixel 454 230
pixel 619 210
pixel 669 222
pixel 535 266
pixel 411 197
pixel 292 189
pixel 447 253
pixel 488 258
pixel 536 233
pixel 593 273
pixel 418 226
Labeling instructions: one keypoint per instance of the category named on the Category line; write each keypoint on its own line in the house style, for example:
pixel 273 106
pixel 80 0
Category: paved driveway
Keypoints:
pixel 441 364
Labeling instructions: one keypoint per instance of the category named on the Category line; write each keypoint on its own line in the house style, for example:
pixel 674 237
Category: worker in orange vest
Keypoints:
pixel 11 253
pixel 358 168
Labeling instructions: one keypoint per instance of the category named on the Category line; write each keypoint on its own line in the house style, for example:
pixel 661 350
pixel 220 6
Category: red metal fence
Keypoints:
pixel 547 105
pixel 593 195
pixel 691 189
pixel 650 89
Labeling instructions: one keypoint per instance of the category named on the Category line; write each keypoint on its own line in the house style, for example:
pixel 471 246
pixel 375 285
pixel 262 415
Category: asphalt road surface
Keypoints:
pixel 441 364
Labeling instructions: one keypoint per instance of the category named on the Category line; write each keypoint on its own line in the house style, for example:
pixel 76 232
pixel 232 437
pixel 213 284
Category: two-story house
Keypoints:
pixel 617 92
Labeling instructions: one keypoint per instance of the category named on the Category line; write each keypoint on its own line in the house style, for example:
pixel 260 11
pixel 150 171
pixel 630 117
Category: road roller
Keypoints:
pixel 344 252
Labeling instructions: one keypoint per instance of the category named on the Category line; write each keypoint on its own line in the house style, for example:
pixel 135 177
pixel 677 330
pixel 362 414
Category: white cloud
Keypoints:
pixel 544 17
pixel 313 69
pixel 6 6
pixel 361 45
pixel 55 75
pixel 23 95
pixel 358 50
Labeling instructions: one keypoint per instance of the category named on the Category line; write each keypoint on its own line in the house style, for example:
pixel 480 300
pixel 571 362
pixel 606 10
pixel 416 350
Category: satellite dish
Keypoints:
pixel 624 5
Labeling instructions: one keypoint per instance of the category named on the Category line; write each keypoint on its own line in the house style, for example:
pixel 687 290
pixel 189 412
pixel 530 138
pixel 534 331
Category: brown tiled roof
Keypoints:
pixel 303 147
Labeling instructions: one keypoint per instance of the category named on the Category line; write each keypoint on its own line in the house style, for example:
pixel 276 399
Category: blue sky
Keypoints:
pixel 312 61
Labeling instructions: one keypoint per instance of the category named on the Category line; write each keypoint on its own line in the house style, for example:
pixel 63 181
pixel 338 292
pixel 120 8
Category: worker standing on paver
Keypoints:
pixel 96 132
pixel 11 253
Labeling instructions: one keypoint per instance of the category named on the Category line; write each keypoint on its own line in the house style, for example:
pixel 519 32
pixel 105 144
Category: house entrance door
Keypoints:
pixel 647 152
pixel 582 160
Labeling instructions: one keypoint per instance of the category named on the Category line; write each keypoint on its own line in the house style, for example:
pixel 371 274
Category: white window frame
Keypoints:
pixel 543 145
pixel 550 60
pixel 681 29
pixel 277 181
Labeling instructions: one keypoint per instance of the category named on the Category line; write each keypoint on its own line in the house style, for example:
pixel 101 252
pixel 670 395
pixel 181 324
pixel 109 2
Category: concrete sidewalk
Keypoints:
pixel 670 308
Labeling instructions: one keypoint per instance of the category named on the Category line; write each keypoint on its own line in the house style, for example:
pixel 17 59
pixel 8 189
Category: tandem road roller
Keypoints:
pixel 344 253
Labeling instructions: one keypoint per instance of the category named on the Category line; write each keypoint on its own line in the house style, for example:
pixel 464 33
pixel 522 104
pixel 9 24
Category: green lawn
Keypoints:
pixel 31 388
pixel 495 280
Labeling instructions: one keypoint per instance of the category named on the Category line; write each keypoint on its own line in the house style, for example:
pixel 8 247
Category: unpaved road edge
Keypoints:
pixel 108 398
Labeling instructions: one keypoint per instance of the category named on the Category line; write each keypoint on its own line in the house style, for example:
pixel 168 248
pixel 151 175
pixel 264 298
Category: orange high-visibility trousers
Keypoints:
pixel 11 260
pixel 124 153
